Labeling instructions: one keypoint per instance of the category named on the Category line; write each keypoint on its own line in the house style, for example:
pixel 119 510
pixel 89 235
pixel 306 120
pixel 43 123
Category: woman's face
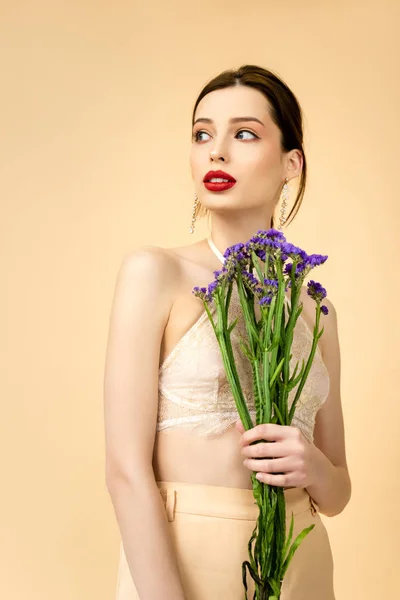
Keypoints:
pixel 250 149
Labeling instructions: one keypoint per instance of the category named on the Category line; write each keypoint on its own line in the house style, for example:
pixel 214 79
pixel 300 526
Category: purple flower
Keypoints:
pixel 316 259
pixel 265 300
pixel 201 292
pixel 251 279
pixel 292 250
pixel 212 286
pixel 261 246
pixel 288 269
pixel 318 293
pixel 271 246
pixel 234 250
pixel 252 283
pixel 272 282
pixel 272 233
pixel 301 268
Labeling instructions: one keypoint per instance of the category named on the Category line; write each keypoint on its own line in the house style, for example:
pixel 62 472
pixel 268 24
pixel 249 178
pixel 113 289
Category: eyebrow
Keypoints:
pixel 232 120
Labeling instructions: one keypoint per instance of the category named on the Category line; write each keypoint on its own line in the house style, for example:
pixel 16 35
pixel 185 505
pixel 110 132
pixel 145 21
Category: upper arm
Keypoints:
pixel 329 434
pixel 140 310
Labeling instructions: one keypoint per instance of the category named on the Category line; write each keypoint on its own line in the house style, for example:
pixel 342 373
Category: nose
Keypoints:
pixel 217 153
pixel 214 156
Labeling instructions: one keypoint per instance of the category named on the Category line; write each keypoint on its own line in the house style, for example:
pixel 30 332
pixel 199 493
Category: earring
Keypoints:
pixel 194 210
pixel 285 196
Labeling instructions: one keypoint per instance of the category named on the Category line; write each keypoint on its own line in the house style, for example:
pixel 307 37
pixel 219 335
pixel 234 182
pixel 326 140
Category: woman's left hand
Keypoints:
pixel 295 459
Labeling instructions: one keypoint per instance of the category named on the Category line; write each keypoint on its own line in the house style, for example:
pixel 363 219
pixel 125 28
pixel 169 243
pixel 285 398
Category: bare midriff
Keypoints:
pixel 184 457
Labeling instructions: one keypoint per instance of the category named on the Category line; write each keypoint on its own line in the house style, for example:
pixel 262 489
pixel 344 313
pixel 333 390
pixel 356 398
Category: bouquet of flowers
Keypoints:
pixel 261 270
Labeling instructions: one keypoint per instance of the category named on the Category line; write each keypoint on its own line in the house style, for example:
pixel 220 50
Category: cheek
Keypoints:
pixel 269 169
pixel 269 159
pixel 194 161
pixel 263 173
pixel 261 160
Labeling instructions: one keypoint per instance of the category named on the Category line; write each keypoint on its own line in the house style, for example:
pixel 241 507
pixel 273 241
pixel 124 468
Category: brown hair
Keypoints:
pixel 285 112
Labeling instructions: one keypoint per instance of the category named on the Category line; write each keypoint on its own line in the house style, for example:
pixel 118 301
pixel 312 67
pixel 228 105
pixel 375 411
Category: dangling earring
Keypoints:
pixel 285 196
pixel 194 210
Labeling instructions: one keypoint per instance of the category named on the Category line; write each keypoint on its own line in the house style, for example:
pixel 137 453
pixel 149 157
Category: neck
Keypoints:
pixel 226 231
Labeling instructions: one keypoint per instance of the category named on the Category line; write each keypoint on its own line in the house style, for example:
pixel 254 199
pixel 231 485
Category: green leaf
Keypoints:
pixel 246 350
pixel 232 325
pixel 282 422
pixel 289 538
pixel 251 571
pixel 276 373
pixel 294 547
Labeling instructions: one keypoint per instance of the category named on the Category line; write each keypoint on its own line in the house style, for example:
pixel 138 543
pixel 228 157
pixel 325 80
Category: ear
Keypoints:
pixel 295 163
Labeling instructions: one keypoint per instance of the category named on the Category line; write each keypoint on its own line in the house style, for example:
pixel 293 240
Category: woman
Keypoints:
pixel 178 461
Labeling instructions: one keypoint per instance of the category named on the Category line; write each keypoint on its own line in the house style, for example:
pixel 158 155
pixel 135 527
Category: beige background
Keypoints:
pixel 95 114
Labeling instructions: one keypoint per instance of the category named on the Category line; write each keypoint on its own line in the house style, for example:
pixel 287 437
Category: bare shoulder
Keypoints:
pixel 167 273
pixel 156 260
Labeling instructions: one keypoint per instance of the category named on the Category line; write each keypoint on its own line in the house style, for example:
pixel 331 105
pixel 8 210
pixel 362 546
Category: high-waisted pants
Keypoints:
pixel 211 527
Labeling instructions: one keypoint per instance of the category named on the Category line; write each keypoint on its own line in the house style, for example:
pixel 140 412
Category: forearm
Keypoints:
pixel 332 489
pixel 147 541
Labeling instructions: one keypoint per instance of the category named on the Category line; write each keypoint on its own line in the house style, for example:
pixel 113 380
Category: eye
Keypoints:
pixel 247 131
pixel 195 136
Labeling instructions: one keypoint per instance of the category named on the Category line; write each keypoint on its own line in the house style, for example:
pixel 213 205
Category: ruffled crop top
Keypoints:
pixel 193 391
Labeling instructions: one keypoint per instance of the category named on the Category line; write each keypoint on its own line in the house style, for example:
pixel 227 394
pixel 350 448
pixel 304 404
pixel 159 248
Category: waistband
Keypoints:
pixel 225 502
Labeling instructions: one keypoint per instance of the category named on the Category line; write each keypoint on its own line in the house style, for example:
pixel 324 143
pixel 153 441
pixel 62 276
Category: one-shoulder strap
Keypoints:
pixel 214 248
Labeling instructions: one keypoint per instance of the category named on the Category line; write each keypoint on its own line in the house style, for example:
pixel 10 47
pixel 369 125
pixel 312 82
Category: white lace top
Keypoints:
pixel 194 393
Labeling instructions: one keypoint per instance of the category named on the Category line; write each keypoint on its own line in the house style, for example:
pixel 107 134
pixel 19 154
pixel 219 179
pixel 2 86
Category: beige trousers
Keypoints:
pixel 211 527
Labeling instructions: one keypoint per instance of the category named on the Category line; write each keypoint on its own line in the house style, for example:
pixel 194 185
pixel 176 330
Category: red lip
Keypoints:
pixel 222 174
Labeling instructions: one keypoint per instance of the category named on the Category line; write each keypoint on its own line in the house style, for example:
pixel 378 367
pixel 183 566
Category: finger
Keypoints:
pixel 267 432
pixel 239 426
pixel 265 450
pixel 285 480
pixel 278 466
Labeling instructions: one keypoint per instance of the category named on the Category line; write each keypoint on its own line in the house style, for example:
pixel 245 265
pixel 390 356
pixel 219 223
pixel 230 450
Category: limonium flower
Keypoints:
pixel 263 270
